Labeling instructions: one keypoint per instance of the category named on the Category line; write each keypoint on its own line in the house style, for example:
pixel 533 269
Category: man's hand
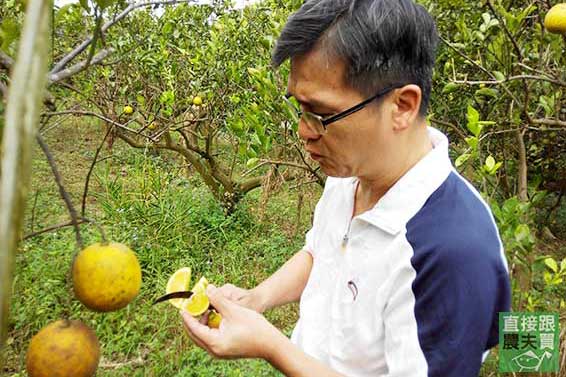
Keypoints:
pixel 243 332
pixel 249 298
pixel 246 333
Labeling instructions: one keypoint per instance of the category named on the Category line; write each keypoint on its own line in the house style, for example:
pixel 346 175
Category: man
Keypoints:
pixel 403 272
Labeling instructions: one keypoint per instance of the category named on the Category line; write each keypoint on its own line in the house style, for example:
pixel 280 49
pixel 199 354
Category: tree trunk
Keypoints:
pixel 25 96
pixel 522 178
pixel 524 276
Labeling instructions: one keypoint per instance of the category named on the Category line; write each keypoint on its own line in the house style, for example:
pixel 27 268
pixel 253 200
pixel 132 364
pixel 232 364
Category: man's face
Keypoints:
pixel 358 145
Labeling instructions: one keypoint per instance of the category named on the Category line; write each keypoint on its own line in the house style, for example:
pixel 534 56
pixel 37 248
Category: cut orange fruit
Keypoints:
pixel 179 281
pixel 197 304
pixel 201 285
pixel 214 319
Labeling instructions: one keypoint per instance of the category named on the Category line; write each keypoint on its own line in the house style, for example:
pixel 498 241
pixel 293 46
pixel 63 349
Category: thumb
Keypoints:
pixel 218 300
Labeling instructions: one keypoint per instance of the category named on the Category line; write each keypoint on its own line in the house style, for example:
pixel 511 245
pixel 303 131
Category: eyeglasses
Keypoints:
pixel 319 123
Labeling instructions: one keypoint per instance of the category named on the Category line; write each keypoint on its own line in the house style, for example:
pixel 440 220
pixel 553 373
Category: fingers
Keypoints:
pixel 232 292
pixel 195 340
pixel 197 332
pixel 218 300
pixel 204 318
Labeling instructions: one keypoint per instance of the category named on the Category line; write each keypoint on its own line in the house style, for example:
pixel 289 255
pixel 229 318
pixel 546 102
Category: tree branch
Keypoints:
pixel 3 90
pixel 94 161
pixel 6 61
pixel 23 108
pixel 62 191
pixel 522 169
pixel 102 117
pixel 549 122
pixel 73 70
pixel 186 153
pixel 250 184
pixel 481 68
pixel 450 125
pixel 506 29
pixel 52 228
pixel 512 78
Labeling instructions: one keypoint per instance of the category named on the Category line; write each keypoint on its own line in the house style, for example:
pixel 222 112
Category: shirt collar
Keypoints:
pixel 407 196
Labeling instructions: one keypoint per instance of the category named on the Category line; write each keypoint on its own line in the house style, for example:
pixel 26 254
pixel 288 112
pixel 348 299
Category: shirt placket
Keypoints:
pixel 344 292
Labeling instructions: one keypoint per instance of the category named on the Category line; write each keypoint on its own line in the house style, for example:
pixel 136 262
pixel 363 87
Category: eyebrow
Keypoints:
pixel 312 102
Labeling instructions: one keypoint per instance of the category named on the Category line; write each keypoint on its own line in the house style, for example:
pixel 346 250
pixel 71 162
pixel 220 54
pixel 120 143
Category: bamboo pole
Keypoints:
pixel 25 96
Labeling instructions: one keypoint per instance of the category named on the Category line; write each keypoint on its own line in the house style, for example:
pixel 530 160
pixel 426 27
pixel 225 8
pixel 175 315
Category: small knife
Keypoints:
pixel 169 296
pixel 179 294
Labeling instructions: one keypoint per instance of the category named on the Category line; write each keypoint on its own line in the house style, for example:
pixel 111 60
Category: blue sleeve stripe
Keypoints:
pixel 461 281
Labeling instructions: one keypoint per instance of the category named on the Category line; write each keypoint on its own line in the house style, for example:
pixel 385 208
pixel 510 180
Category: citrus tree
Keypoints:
pixel 500 89
pixel 193 80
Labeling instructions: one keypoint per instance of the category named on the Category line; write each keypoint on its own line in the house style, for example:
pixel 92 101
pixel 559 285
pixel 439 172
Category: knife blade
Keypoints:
pixel 172 295
pixel 179 294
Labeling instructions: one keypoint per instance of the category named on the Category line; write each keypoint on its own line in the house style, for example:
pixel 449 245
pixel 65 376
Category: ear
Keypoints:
pixel 407 101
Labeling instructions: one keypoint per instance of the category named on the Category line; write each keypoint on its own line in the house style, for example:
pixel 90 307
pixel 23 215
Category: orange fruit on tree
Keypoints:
pixel 197 100
pixel 555 19
pixel 106 277
pixel 63 348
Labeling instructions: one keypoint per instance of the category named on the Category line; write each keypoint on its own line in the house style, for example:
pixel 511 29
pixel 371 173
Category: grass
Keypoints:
pixel 170 220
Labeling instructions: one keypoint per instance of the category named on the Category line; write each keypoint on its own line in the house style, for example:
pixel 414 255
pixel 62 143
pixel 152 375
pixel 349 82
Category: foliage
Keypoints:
pixel 499 92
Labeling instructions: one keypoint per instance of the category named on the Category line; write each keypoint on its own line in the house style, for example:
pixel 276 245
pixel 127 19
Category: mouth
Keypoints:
pixel 315 156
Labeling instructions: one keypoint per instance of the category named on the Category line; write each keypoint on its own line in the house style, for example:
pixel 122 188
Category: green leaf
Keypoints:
pixel 563 265
pixel 495 168
pixel 551 263
pixel 84 4
pixel 487 92
pixel 167 28
pixel 499 76
pixel 547 276
pixel 449 88
pixel 473 121
pixel 522 233
pixel 252 162
pixel 473 115
pixel 490 163
pixel 473 142
pixel 9 32
pixel 462 159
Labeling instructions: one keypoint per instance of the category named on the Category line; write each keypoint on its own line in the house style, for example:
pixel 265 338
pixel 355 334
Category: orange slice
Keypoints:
pixel 179 281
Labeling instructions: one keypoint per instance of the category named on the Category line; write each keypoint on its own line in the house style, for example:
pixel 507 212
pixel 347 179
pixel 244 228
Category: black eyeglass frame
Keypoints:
pixel 326 121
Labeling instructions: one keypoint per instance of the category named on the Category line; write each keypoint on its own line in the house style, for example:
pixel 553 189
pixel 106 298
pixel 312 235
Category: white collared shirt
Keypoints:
pixel 417 287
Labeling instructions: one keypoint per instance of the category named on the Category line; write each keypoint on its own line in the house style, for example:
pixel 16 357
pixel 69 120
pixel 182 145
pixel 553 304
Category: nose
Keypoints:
pixel 307 133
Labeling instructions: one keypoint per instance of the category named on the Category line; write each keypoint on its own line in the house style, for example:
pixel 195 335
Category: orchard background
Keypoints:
pixel 208 172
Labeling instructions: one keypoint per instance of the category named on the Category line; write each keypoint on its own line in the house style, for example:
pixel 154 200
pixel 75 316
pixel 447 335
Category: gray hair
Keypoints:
pixel 383 41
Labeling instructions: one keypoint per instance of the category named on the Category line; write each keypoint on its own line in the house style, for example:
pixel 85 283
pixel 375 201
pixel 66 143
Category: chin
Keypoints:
pixel 332 171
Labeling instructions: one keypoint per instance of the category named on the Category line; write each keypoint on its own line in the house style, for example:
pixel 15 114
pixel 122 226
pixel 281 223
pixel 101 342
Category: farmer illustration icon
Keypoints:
pixel 529 361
